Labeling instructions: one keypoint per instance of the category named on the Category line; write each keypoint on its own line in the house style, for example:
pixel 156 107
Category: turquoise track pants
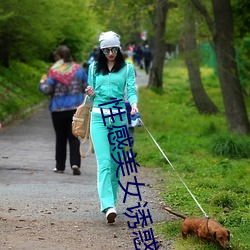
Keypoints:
pixel 107 182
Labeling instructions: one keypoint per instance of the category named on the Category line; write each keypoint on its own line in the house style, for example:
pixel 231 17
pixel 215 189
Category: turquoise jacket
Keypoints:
pixel 113 85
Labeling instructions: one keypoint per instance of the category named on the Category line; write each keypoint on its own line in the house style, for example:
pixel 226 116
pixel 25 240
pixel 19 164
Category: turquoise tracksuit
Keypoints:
pixel 109 86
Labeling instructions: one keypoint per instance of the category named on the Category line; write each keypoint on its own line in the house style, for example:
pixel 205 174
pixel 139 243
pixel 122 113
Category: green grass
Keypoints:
pixel 214 164
pixel 19 88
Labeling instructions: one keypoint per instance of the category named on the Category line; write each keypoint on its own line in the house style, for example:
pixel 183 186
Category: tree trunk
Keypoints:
pixel 159 46
pixel 201 99
pixel 223 38
pixel 235 109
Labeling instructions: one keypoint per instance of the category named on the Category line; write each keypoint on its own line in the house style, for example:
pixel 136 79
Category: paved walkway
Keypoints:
pixel 30 189
pixel 27 158
pixel 141 78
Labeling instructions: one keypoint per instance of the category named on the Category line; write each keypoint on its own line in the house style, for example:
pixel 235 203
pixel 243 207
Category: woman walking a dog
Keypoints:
pixel 108 78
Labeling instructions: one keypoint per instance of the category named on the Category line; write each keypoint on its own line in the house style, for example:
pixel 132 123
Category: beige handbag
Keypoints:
pixel 81 126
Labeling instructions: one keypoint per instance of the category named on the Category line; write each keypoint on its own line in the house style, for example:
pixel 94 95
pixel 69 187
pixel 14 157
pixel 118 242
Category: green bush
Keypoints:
pixel 231 146
pixel 19 87
pixel 223 200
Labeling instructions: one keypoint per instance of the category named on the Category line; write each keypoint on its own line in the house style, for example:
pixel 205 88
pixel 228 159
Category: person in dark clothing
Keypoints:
pixel 65 83
pixel 147 54
pixel 93 55
pixel 138 56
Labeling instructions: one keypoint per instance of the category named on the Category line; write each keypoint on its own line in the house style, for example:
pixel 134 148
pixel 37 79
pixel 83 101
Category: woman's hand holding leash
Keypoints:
pixel 134 109
pixel 90 91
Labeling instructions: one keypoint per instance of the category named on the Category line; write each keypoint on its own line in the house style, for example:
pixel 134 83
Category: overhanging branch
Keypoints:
pixel 202 9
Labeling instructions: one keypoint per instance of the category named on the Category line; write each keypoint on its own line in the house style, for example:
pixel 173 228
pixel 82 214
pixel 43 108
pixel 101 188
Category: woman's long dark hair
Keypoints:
pixel 102 67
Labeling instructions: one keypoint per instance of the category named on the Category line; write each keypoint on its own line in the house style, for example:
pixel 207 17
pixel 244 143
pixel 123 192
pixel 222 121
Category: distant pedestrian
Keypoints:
pixel 138 55
pixel 65 84
pixel 93 56
pixel 147 54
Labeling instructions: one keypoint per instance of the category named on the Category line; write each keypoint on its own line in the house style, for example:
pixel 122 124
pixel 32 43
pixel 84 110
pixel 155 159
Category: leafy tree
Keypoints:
pixel 201 99
pixel 241 18
pixel 24 32
pixel 156 72
pixel 242 33
pixel 28 33
pixel 221 28
pixel 126 17
pixel 175 24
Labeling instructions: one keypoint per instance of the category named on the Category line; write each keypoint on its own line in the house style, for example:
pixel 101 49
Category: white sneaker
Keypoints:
pixel 111 215
pixel 58 171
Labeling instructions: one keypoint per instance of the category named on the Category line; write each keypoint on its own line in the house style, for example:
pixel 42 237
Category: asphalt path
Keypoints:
pixel 31 190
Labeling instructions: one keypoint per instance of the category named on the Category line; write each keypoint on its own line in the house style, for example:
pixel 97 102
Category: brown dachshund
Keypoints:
pixel 204 229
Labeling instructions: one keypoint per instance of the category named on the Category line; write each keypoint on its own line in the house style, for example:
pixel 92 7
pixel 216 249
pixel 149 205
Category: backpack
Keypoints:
pixel 81 126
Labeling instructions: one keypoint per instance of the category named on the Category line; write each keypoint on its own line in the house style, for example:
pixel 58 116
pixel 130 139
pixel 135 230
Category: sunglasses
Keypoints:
pixel 106 51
